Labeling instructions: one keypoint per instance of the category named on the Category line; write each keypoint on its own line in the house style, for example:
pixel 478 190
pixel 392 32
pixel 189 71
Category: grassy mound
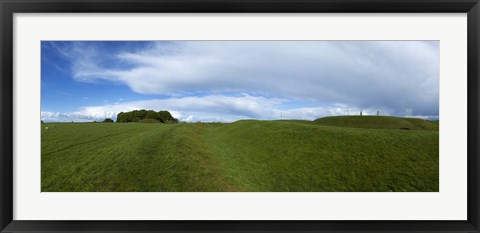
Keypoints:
pixel 266 156
pixel 149 121
pixel 297 156
pixel 377 122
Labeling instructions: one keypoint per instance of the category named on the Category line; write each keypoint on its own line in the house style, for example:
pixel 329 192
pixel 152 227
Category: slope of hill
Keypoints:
pixel 248 155
pixel 377 122
pixel 298 156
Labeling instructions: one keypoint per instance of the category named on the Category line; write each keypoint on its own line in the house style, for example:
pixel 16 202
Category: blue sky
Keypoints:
pixel 231 80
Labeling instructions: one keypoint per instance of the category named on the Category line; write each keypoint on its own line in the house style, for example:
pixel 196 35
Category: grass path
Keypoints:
pixel 126 157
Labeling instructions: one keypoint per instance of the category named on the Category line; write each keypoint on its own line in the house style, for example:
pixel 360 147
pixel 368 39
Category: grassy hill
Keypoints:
pixel 435 122
pixel 378 122
pixel 247 155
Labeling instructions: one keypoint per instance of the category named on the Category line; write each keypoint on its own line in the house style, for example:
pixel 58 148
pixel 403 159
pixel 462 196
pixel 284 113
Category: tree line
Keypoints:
pixel 146 115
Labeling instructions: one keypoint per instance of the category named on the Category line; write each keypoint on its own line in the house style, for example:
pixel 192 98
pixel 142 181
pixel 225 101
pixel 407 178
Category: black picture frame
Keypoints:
pixel 9 7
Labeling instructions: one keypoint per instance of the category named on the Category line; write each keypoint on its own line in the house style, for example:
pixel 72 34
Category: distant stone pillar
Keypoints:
pixel 361 113
pixel 378 113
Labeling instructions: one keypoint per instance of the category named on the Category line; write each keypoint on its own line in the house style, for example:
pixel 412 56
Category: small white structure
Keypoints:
pixel 46 127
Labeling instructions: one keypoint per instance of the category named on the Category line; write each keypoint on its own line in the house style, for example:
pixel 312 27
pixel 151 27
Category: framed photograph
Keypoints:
pixel 252 116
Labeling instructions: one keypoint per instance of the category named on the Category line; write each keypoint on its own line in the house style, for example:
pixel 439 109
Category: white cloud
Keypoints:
pixel 396 75
pixel 206 108
pixel 68 117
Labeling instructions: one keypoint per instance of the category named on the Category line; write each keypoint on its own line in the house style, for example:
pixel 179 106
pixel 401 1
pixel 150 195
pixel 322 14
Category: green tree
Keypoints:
pixel 166 117
pixel 108 120
pixel 139 115
pixel 152 115
pixel 122 117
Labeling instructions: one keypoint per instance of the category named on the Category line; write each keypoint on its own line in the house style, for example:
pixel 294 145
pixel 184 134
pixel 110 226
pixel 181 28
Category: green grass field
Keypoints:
pixel 335 154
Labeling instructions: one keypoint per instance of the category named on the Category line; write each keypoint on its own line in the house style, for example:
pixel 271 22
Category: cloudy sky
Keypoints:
pixel 231 80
